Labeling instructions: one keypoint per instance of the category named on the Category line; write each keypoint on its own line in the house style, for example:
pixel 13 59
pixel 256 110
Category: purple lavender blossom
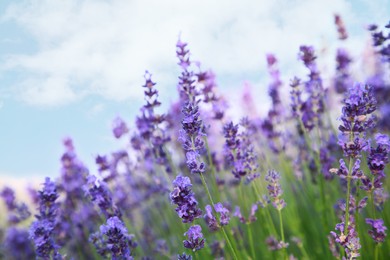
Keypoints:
pixel 73 174
pixel 17 244
pixel 379 156
pixel 378 232
pixel 8 196
pixel 239 150
pixel 342 32
pixel 211 221
pixel 343 78
pixel 269 124
pixel 117 239
pixel 349 240
pixel 192 132
pixel 295 95
pixel 237 213
pixel 42 231
pixel 184 257
pixel 252 216
pixel 101 196
pixel 183 197
pixel 207 79
pixel 275 190
pixel 195 239
pixel 17 212
pixel 355 174
pixel 359 104
pixel 313 106
pixel 224 214
pixel 119 128
pixel 377 159
pixel 273 244
pixel 151 128
pixel 381 42
pixel 380 197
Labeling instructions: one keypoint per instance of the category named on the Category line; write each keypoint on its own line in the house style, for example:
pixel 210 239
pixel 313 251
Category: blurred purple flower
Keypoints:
pixel 117 239
pixel 211 221
pixel 275 190
pixel 42 231
pixel 195 239
pixel 224 213
pixel 119 127
pixel 378 232
pixel 17 244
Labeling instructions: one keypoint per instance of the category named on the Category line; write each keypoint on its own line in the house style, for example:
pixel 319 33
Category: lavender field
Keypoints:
pixel 306 181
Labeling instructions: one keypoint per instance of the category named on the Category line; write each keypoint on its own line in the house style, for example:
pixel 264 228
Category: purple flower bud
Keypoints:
pixel 183 197
pixel 119 127
pixel 117 241
pixel 211 221
pixel 8 196
pixel 378 232
pixel 184 257
pixel 195 239
pixel 224 213
pixel 274 189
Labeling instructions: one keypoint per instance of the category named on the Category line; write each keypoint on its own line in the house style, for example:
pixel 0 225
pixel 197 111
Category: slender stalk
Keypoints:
pixel 268 215
pixel 223 230
pixel 346 221
pixel 376 251
pixel 251 241
pixel 282 231
pixel 212 167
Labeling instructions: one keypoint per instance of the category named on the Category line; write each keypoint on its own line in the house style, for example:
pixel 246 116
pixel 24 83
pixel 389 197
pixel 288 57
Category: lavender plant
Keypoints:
pixel 197 183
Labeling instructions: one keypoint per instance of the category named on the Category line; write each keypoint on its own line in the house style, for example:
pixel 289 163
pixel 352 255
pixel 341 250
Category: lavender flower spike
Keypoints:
pixel 118 241
pixel 183 197
pixel 274 189
pixel 195 238
pixel 224 213
pixel 42 231
pixel 378 232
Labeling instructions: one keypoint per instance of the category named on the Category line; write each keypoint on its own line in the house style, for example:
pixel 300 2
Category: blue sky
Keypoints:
pixel 68 68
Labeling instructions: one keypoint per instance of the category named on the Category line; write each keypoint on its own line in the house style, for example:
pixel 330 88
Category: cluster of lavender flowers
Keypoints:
pixel 146 201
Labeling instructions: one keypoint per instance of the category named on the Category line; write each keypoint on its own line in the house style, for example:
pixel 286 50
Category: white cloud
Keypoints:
pixel 103 47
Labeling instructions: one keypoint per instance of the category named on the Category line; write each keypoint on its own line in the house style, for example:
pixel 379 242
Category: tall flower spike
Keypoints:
pixel 343 78
pixel 224 213
pixel 101 196
pixel 342 31
pixel 117 239
pixel 183 197
pixel 274 189
pixel 17 244
pixel 313 106
pixel 42 231
pixel 356 119
pixel 211 221
pixel 378 232
pixel 192 132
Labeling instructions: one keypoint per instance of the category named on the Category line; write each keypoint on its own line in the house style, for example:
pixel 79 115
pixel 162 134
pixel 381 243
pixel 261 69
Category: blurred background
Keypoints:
pixel 68 68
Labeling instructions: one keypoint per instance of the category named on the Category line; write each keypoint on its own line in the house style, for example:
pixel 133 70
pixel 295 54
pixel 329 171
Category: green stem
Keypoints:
pixel 282 232
pixel 212 168
pixel 376 251
pixel 251 241
pixel 346 221
pixel 223 230
pixel 268 214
